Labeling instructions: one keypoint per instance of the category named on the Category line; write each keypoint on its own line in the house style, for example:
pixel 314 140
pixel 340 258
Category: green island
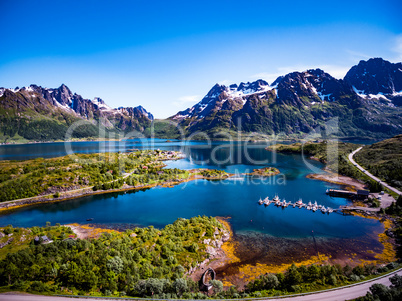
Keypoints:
pixel 212 174
pixel 44 180
pixel 264 172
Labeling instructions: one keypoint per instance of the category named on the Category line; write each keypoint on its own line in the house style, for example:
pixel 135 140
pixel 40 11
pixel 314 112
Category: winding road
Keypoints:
pixel 369 174
pixel 338 294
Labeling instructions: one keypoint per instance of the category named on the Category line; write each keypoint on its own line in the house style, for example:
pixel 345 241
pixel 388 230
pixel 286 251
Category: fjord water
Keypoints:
pixel 235 197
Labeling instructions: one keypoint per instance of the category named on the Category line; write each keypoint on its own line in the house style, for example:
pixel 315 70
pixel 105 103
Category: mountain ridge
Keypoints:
pixel 367 103
pixel 298 102
pixel 37 113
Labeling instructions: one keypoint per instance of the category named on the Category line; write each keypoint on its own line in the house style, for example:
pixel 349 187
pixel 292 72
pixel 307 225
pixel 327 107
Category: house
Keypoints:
pixel 362 194
pixel 42 240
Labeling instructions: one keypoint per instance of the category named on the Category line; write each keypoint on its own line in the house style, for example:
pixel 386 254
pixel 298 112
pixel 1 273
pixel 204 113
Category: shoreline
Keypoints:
pixel 334 178
pixel 92 139
pixel 88 191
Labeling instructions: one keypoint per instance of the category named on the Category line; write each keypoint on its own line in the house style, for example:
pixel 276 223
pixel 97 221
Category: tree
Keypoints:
pixel 270 281
pixel 396 281
pixel 115 264
pixel 180 286
pixel 292 276
pixel 381 292
pixel 217 286
pixel 399 200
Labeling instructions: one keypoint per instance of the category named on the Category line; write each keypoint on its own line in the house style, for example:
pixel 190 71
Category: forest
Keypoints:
pixel 139 262
pixel 145 262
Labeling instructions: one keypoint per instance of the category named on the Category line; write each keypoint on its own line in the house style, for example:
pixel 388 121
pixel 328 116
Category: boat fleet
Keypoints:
pixel 282 203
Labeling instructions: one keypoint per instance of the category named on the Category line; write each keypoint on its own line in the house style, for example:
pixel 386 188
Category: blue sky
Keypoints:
pixel 166 55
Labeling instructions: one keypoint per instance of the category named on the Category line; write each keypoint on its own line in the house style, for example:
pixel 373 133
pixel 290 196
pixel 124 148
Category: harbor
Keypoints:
pixel 276 201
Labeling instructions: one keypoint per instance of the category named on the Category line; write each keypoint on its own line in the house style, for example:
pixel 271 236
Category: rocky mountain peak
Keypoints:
pixel 376 76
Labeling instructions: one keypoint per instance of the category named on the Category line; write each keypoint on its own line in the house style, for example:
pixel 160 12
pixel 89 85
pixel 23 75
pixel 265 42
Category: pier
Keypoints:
pixel 299 204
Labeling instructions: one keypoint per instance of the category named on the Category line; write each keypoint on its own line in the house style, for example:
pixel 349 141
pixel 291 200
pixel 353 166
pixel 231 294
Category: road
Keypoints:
pixel 341 294
pixel 369 174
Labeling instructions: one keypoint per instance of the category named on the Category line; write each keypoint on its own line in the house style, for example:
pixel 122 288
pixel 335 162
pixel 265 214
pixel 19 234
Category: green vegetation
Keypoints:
pixel 384 293
pixel 23 179
pixel 16 239
pixel 384 160
pixel 214 174
pixel 312 278
pixel 163 129
pixel 142 262
pixel 265 172
pixel 333 154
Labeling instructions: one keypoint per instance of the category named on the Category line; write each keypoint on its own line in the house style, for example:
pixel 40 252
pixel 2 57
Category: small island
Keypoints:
pixel 214 174
pixel 264 172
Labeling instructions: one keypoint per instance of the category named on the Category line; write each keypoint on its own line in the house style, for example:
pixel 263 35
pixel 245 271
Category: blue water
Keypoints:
pixel 235 198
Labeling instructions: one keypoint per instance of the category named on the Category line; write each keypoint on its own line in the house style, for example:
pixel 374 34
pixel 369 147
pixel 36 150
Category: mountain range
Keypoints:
pixel 37 113
pixel 367 101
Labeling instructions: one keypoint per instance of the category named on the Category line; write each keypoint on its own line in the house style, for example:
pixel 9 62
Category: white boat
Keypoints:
pixel 308 207
pixel 323 209
pixel 276 198
pixel 299 202
pixel 330 210
pixel 309 204
pixel 315 204
pixel 314 209
pixel 260 202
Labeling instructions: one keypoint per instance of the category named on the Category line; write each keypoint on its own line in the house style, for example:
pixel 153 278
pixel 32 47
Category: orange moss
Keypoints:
pixel 354 213
pixel 251 272
pixel 388 254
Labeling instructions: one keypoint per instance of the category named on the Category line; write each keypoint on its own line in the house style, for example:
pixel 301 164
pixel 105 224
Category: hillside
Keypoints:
pixel 299 102
pixel 42 114
pixel 384 160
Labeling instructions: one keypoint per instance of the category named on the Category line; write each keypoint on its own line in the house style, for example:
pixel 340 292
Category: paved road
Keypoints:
pixel 369 174
pixel 340 294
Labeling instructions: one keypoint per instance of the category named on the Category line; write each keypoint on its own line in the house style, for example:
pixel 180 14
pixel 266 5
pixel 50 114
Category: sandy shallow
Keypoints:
pixel 350 183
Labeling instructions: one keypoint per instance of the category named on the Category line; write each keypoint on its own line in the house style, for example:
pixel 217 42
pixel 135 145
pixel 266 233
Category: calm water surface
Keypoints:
pixel 235 198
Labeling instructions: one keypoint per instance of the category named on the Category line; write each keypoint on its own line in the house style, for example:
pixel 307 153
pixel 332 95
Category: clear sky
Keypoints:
pixel 166 55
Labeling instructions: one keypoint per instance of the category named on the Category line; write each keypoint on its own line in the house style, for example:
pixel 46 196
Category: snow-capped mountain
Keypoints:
pixel 219 94
pixel 55 109
pixel 299 101
pixel 377 79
